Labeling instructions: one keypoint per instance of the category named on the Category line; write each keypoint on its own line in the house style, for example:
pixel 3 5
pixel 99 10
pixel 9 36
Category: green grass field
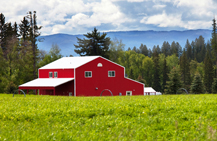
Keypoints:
pixel 167 117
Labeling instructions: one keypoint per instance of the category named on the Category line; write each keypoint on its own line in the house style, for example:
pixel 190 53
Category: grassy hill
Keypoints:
pixel 165 117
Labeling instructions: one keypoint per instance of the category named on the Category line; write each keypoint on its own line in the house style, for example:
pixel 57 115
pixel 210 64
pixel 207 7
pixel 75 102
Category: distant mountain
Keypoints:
pixel 129 38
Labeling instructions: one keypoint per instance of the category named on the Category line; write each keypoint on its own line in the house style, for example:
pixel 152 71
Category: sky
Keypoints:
pixel 81 16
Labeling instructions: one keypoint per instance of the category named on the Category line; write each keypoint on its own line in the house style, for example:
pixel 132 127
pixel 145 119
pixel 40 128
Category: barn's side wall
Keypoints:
pixel 62 73
pixel 100 81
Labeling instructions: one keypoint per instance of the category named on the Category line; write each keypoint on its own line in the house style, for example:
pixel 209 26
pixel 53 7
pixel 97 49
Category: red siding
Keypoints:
pixel 99 81
pixel 62 73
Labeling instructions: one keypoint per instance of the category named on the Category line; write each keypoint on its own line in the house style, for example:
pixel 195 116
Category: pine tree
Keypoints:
pixel 197 85
pixel 2 29
pixel 185 70
pixel 214 41
pixel 24 29
pixel 214 86
pixel 34 33
pixel 156 81
pixel 143 49
pixel 95 44
pixel 165 74
pixel 208 73
pixel 174 82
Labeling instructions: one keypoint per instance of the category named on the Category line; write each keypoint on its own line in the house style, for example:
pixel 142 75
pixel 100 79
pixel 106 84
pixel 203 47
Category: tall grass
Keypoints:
pixel 183 117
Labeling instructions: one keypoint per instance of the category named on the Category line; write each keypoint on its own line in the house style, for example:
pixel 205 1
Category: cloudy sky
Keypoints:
pixel 81 16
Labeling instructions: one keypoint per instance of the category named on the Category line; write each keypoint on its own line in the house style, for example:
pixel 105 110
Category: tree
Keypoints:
pixel 34 33
pixel 115 48
pixel 174 82
pixel 214 86
pixel 53 55
pixel 165 74
pixel 185 70
pixel 166 48
pixel 24 29
pixel 143 49
pixel 2 25
pixel 197 85
pixel 156 81
pixel 95 44
pixel 214 41
pixel 148 71
pixel 208 73
pixel 188 50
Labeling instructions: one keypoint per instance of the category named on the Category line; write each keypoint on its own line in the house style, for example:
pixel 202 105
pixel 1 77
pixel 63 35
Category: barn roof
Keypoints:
pixel 69 62
pixel 46 82
pixel 149 89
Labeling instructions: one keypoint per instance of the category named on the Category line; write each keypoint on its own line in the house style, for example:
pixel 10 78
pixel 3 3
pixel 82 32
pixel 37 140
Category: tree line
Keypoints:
pixel 20 57
pixel 166 68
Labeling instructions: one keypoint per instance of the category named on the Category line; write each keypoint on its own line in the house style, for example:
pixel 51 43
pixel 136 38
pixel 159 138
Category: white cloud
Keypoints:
pixel 135 0
pixel 159 6
pixel 163 20
pixel 175 20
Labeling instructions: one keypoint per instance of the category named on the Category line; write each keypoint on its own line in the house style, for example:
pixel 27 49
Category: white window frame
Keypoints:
pixel 50 74
pixel 130 93
pixel 111 73
pixel 56 74
pixel 88 75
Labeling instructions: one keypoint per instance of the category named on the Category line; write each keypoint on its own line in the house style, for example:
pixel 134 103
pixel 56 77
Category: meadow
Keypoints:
pixel 163 117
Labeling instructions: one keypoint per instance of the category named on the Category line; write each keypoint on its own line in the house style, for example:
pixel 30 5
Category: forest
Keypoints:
pixel 166 68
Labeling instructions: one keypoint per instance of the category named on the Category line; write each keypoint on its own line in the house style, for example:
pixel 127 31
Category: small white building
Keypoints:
pixel 151 91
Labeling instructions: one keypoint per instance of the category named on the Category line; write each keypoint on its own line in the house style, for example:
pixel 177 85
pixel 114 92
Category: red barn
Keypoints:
pixel 84 76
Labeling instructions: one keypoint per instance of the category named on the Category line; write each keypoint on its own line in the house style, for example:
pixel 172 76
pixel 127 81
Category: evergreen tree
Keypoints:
pixel 165 74
pixel 197 85
pixel 148 71
pixel 214 86
pixel 24 27
pixel 2 71
pixel 214 41
pixel 95 44
pixel 34 33
pixel 166 49
pixel 188 50
pixel 208 73
pixel 174 82
pixel 2 29
pixel 156 81
pixel 143 49
pixel 185 70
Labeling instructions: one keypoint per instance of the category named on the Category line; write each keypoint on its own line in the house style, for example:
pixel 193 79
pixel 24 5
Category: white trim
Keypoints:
pixel 88 76
pixel 111 71
pixel 130 93
pixel 135 81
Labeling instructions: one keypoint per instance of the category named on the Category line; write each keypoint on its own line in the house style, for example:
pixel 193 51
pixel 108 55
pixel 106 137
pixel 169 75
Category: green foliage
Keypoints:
pixel 148 71
pixel 156 80
pixel 174 82
pixel 214 86
pixel 95 44
pixel 115 49
pixel 197 85
pixel 183 117
pixel 208 73
pixel 53 55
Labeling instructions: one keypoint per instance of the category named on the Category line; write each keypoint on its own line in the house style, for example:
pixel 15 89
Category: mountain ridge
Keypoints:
pixel 129 38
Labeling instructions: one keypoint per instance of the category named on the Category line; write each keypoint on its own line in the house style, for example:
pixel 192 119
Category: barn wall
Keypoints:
pixel 100 80
pixel 65 88
pixel 62 73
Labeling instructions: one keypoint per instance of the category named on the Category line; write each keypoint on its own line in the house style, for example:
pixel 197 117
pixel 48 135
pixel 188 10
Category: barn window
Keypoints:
pixel 55 74
pixel 111 73
pixel 128 93
pixel 88 73
pixel 50 74
pixel 99 65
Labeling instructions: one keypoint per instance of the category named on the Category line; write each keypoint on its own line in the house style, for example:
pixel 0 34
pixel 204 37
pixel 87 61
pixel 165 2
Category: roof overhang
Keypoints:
pixel 45 83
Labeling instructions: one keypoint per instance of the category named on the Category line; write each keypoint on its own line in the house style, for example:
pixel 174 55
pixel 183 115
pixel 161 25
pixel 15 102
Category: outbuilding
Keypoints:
pixel 84 76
